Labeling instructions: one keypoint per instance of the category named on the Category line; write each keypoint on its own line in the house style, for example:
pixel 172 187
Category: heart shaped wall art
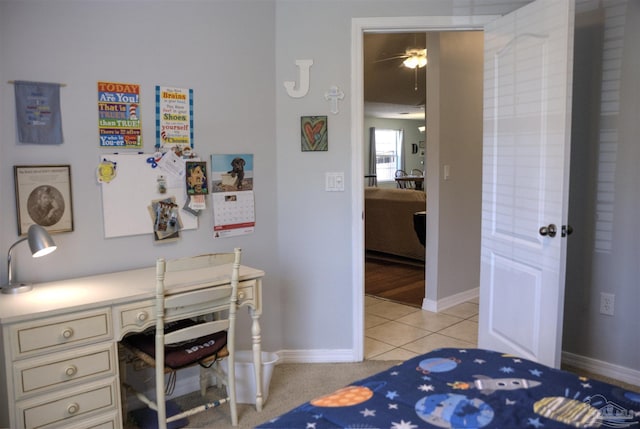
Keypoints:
pixel 314 133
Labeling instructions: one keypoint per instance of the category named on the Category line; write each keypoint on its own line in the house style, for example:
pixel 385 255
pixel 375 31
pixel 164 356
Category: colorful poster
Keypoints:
pixel 174 118
pixel 119 115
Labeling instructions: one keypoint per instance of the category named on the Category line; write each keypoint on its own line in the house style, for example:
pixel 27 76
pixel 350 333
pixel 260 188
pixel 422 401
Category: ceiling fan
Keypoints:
pixel 413 58
pixel 386 78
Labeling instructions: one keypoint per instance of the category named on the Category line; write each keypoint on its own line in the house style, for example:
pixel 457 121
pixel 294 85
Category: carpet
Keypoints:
pixel 292 384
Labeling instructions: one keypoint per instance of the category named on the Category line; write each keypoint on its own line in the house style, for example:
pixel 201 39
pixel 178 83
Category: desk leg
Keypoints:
pixel 257 356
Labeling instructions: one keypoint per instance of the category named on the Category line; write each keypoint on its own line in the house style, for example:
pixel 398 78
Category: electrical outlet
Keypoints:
pixel 607 303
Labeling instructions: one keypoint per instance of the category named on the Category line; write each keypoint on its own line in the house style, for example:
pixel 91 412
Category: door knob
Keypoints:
pixel 550 230
pixel 566 230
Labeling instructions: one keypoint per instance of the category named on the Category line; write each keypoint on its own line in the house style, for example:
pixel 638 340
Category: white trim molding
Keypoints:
pixel 317 356
pixel 603 368
pixel 450 301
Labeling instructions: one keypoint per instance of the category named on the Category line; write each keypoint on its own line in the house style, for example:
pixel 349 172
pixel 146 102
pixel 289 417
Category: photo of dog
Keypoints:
pixel 231 172
pixel 237 171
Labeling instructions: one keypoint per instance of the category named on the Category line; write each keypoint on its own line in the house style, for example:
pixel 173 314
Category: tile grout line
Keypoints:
pixel 428 332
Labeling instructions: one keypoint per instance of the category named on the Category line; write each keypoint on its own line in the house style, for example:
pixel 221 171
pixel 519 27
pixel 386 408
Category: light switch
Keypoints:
pixel 334 181
pixel 447 172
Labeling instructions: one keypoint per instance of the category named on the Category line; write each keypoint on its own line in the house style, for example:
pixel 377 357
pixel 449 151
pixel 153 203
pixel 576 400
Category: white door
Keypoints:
pixel 527 112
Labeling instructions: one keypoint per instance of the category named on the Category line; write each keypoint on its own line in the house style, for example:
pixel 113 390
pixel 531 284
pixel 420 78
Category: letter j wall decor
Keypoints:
pixel 314 133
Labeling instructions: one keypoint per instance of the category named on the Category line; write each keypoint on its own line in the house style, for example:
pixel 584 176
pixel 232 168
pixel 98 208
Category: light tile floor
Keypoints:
pixel 398 332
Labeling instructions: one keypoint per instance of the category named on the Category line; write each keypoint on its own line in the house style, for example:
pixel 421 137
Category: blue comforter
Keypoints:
pixel 468 388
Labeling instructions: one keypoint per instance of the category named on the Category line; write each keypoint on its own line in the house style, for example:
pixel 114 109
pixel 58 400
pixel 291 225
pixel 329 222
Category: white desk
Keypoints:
pixel 59 363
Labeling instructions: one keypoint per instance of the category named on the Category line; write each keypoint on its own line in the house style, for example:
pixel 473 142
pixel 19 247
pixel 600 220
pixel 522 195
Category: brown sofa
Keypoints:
pixel 388 221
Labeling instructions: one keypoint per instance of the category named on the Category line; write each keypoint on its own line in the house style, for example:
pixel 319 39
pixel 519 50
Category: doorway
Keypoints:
pixel 454 73
pixel 360 26
pixel 503 132
pixel 394 123
pixel 449 90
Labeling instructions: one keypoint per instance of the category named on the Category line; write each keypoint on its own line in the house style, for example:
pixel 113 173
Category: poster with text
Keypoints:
pixel 174 118
pixel 39 119
pixel 119 115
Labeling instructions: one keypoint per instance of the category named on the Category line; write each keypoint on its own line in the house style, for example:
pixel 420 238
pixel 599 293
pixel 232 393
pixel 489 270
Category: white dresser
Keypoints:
pixel 59 361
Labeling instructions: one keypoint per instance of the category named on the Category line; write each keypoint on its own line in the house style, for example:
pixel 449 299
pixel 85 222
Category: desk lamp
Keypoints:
pixel 40 243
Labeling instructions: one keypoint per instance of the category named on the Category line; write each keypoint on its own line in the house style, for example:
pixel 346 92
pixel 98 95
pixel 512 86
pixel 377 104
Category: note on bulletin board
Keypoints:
pixel 126 198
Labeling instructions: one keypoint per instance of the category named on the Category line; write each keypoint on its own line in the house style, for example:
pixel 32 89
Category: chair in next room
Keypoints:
pixel 195 326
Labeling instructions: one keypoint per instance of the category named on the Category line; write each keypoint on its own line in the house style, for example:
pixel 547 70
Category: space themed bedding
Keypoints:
pixel 468 388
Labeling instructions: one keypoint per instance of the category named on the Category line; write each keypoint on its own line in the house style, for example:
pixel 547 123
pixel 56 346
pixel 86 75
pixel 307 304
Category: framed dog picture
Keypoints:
pixel 43 197
pixel 314 131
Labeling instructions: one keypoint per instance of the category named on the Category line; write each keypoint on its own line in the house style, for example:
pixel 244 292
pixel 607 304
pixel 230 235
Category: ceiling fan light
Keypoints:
pixel 411 62
pixel 415 58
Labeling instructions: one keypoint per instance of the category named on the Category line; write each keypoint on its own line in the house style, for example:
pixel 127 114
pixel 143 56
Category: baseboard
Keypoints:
pixel 606 369
pixel 316 356
pixel 450 301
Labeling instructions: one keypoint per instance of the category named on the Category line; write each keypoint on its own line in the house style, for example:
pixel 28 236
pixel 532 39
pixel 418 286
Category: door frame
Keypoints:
pixel 381 25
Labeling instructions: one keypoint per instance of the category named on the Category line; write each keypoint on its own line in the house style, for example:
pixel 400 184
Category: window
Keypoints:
pixel 388 154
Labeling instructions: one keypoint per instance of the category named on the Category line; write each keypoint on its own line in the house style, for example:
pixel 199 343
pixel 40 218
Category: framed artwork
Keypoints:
pixel 43 197
pixel 196 177
pixel 313 130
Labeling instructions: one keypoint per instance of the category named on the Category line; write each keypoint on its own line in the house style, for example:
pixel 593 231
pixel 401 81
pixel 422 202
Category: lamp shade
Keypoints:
pixel 40 242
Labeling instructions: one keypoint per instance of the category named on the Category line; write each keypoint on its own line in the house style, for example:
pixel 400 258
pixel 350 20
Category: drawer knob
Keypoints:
pixel 142 316
pixel 67 333
pixel 241 295
pixel 71 370
pixel 73 408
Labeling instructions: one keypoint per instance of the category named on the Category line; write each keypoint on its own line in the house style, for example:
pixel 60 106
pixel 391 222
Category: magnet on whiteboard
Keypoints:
pixel 106 171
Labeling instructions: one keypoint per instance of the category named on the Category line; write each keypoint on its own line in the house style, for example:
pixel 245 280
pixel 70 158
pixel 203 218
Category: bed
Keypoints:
pixel 468 388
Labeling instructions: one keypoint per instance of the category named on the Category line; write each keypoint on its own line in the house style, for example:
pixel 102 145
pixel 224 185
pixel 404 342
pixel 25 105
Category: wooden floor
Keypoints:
pixel 397 281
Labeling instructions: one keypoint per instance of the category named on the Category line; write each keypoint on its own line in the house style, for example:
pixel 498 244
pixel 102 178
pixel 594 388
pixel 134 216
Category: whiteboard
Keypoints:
pixel 126 198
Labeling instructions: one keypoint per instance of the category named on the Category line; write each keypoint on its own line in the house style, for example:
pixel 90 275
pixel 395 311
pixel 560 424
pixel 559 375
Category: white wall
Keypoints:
pixel 315 233
pixel 303 236
pixel 603 251
pixel 199 45
pixel 454 112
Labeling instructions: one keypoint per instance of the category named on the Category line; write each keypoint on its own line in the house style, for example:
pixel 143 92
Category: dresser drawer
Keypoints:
pixel 47 335
pixel 81 365
pixel 104 421
pixel 135 317
pixel 69 406
pixel 245 291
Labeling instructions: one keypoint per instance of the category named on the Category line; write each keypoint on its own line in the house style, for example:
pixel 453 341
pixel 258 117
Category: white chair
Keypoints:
pixel 192 327
pixel 401 183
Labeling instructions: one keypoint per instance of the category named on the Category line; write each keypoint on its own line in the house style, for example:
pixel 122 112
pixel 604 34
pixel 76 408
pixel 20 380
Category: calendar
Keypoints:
pixel 233 213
